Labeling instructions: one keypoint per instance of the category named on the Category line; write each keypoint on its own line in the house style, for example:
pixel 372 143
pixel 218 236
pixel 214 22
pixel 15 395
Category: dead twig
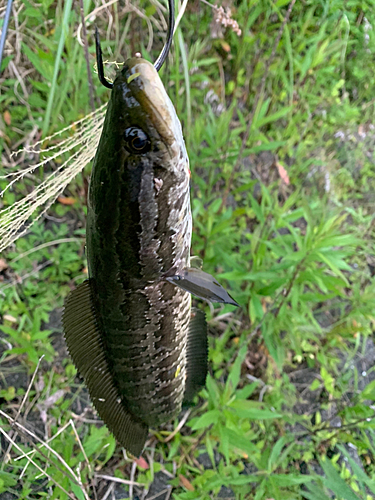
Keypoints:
pixel 117 480
pixel 27 433
pixel 7 454
pixel 15 445
pixel 179 427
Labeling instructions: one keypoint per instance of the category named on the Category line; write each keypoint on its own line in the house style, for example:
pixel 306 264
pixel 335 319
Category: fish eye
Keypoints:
pixel 136 141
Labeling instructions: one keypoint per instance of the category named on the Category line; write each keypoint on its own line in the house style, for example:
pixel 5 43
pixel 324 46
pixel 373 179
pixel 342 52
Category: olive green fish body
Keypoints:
pixel 139 205
pixel 138 228
pixel 130 328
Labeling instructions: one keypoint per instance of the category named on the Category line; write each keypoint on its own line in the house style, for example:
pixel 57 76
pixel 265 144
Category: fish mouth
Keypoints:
pixel 141 80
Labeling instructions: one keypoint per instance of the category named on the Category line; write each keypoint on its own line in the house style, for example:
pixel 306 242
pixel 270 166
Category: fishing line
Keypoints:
pixel 16 219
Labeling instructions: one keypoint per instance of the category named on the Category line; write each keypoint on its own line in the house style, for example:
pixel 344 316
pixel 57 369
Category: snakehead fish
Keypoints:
pixel 130 328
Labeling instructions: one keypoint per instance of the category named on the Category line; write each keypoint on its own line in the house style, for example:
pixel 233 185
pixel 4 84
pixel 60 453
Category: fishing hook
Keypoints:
pixel 159 61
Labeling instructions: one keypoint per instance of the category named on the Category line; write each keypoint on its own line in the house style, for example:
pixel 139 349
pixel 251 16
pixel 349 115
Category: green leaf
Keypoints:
pixel 315 493
pixel 275 116
pixel 281 3
pixel 235 372
pixel 276 452
pixel 241 480
pixel 335 482
pixel 207 419
pixel 269 290
pixel 224 443
pixel 257 209
pixel 42 68
pixel 358 472
pixel 255 309
pixel 328 380
pixel 248 409
pixel 94 442
pixel 213 389
pixel 272 341
pixel 210 449
pixel 284 480
pixel 239 275
pixel 369 391
pixel 77 490
pixel 31 12
pixel 339 240
pixel 7 479
pixel 110 448
pixel 241 442
pixel 315 384
pixel 330 261
pixel 247 391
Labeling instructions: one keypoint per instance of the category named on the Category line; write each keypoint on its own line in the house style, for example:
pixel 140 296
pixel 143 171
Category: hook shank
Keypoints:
pixel 164 53
pixel 158 63
pixel 99 61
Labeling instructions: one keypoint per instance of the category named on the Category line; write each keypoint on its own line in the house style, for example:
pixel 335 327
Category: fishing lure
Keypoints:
pixel 130 328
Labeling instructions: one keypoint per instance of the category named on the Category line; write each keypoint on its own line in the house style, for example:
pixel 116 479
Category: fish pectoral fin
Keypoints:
pixel 196 355
pixel 201 284
pixel 85 346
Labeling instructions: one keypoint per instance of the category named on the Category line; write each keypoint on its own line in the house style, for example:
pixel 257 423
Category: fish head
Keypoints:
pixel 140 186
pixel 147 120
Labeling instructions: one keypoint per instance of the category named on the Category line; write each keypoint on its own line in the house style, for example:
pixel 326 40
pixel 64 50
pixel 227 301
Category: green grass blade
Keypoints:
pixel 64 31
pixel 187 83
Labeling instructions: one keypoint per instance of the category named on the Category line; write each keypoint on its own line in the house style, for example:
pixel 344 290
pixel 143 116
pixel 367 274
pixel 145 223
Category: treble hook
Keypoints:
pixel 159 61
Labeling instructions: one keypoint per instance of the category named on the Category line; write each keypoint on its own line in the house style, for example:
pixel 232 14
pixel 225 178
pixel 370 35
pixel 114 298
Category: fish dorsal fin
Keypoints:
pixel 85 346
pixel 202 285
pixel 196 355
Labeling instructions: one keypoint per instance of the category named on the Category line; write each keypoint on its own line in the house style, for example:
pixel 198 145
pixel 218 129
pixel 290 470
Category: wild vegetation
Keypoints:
pixel 279 127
